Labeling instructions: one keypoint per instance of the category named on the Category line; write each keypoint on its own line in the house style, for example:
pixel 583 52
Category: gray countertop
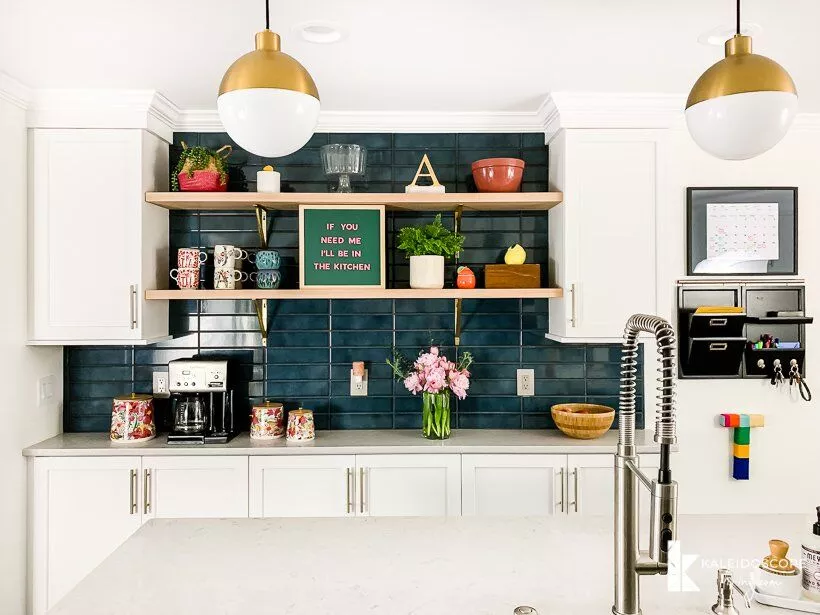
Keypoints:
pixel 348 442
pixel 424 566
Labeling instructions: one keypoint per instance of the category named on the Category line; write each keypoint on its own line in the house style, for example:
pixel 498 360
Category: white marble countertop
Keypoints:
pixel 348 442
pixel 393 566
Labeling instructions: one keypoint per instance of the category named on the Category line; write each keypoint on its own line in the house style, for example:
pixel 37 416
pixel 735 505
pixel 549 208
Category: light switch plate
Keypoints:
pixel 525 379
pixel 160 385
pixel 358 389
pixel 45 389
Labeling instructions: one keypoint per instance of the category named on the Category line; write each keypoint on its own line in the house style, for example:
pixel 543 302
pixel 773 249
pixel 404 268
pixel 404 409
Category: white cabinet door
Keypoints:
pixel 513 485
pixel 408 485
pixel 302 486
pixel 189 487
pixel 591 484
pixel 611 181
pixel 83 508
pixel 94 245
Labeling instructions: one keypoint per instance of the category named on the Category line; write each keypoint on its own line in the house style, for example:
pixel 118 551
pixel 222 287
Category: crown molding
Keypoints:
pixel 144 109
pixel 567 110
pixel 392 121
pixel 14 91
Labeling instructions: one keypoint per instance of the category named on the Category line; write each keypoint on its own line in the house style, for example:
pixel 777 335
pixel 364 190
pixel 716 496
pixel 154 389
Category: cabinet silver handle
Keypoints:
pixel 133 306
pixel 348 490
pixel 575 483
pixel 361 490
pixel 146 491
pixel 718 346
pixel 563 494
pixel 573 320
pixel 132 493
pixel 718 322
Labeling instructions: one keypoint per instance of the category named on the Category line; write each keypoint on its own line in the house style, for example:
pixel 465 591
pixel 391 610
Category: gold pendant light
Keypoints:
pixel 743 105
pixel 268 102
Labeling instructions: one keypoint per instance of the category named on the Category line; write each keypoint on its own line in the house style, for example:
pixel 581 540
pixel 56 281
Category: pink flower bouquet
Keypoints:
pixel 434 376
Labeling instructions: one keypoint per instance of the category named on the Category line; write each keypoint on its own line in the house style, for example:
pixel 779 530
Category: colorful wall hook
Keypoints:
pixel 742 425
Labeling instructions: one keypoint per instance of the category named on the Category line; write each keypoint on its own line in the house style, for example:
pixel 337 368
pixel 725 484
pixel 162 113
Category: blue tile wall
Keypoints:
pixel 312 343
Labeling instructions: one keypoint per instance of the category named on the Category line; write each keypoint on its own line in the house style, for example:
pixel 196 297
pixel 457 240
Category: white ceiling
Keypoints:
pixel 409 55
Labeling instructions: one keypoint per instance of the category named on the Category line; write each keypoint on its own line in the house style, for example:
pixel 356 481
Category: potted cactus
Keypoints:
pixel 200 169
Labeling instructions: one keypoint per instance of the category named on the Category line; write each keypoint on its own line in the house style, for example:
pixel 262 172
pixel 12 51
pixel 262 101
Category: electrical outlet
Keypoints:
pixel 45 390
pixel 160 384
pixel 358 389
pixel 525 379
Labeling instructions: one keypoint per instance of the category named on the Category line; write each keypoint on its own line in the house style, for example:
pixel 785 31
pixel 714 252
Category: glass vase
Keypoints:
pixel 435 415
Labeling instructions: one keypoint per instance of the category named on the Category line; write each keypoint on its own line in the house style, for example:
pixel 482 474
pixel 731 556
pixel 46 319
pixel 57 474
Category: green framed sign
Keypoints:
pixel 341 246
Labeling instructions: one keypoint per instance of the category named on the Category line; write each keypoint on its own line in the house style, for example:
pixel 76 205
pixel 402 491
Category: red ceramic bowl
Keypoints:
pixel 498 174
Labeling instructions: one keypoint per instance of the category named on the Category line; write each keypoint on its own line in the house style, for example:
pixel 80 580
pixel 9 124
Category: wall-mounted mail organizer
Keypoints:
pixel 741 329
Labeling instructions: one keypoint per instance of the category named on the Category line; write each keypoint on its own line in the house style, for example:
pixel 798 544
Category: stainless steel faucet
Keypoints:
pixel 630 562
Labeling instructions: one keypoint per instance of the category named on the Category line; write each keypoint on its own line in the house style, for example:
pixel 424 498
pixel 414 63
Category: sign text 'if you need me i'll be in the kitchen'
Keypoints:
pixel 341 246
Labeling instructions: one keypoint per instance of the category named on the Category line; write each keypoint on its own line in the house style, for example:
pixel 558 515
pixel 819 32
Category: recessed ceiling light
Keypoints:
pixel 320 32
pixel 720 34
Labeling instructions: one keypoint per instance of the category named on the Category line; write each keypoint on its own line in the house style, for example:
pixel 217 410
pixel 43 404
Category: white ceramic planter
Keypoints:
pixel 426 272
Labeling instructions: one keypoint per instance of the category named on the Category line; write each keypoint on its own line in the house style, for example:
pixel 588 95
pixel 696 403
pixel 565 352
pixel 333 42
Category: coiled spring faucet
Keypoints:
pixel 630 562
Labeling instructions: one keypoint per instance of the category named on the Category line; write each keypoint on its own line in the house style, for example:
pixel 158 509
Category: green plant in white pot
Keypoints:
pixel 427 246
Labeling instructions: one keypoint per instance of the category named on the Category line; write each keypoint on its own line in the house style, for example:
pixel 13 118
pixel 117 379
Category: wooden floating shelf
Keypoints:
pixel 361 293
pixel 468 201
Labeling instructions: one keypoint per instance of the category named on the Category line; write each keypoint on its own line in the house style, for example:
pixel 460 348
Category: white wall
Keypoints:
pixel 785 454
pixel 21 421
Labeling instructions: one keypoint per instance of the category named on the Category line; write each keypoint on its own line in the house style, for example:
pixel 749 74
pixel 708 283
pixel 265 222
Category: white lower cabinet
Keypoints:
pixel 82 509
pixel 513 485
pixel 302 486
pixel 409 485
pixel 543 485
pixel 188 487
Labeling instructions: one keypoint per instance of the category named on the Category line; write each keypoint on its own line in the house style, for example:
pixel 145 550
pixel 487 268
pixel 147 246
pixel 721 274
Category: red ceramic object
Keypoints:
pixel 498 174
pixel 465 278
pixel 203 180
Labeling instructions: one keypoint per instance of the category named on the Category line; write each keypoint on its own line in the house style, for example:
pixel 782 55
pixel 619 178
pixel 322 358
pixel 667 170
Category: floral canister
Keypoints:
pixel 132 419
pixel 300 425
pixel 268 421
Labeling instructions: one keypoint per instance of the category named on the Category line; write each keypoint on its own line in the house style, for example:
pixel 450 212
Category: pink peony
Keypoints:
pixel 434 350
pixel 413 384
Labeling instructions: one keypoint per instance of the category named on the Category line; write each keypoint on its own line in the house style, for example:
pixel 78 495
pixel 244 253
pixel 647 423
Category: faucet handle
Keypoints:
pixel 743 593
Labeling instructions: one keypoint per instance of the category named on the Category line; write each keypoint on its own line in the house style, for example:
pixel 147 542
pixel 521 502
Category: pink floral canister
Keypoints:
pixel 300 425
pixel 267 421
pixel 132 419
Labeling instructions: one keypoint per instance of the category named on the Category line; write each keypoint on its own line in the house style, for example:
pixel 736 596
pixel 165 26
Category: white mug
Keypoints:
pixel 226 255
pixel 225 278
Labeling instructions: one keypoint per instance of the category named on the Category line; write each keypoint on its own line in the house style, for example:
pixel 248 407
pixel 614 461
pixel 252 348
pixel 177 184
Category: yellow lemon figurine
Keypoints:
pixel 515 255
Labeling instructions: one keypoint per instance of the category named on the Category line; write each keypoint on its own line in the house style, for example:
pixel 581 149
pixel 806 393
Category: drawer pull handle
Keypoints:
pixel 718 346
pixel 132 508
pixel 146 491
pixel 718 322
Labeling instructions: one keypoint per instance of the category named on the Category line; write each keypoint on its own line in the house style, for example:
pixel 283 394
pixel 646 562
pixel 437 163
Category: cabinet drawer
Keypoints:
pixel 716 325
pixel 715 356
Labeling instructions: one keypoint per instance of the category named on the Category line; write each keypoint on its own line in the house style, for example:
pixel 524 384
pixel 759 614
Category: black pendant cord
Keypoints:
pixel 267 14
pixel 738 17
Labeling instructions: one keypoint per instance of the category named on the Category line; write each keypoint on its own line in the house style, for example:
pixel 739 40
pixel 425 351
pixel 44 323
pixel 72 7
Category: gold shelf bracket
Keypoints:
pixel 457 324
pixel 261 306
pixel 262 225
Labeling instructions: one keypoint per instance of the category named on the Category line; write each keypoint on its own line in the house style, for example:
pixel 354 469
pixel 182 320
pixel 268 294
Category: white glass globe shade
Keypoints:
pixel 268 122
pixel 741 126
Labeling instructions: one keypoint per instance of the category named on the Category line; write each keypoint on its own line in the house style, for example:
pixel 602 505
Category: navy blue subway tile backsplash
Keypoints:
pixel 311 343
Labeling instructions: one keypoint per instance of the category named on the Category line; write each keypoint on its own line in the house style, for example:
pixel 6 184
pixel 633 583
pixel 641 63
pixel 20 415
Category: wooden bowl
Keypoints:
pixel 583 421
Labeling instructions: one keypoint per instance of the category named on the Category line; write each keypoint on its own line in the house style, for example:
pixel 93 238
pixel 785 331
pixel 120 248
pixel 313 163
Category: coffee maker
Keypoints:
pixel 201 402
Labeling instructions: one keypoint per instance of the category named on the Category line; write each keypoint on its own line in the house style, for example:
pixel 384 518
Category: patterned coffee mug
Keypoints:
pixel 266 259
pixel 227 255
pixel 225 278
pixel 186 277
pixel 266 278
pixel 188 258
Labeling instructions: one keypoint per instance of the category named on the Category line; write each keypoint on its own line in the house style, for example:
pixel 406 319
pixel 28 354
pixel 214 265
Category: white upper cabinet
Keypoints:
pixel 602 237
pixel 94 245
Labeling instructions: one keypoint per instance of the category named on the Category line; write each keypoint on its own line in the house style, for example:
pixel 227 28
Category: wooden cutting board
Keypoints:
pixel 512 276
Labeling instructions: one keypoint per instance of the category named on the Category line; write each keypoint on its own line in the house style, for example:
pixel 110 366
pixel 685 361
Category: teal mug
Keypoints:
pixel 267 259
pixel 266 278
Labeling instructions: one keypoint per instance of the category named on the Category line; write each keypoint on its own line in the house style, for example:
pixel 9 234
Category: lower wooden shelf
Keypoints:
pixel 360 293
